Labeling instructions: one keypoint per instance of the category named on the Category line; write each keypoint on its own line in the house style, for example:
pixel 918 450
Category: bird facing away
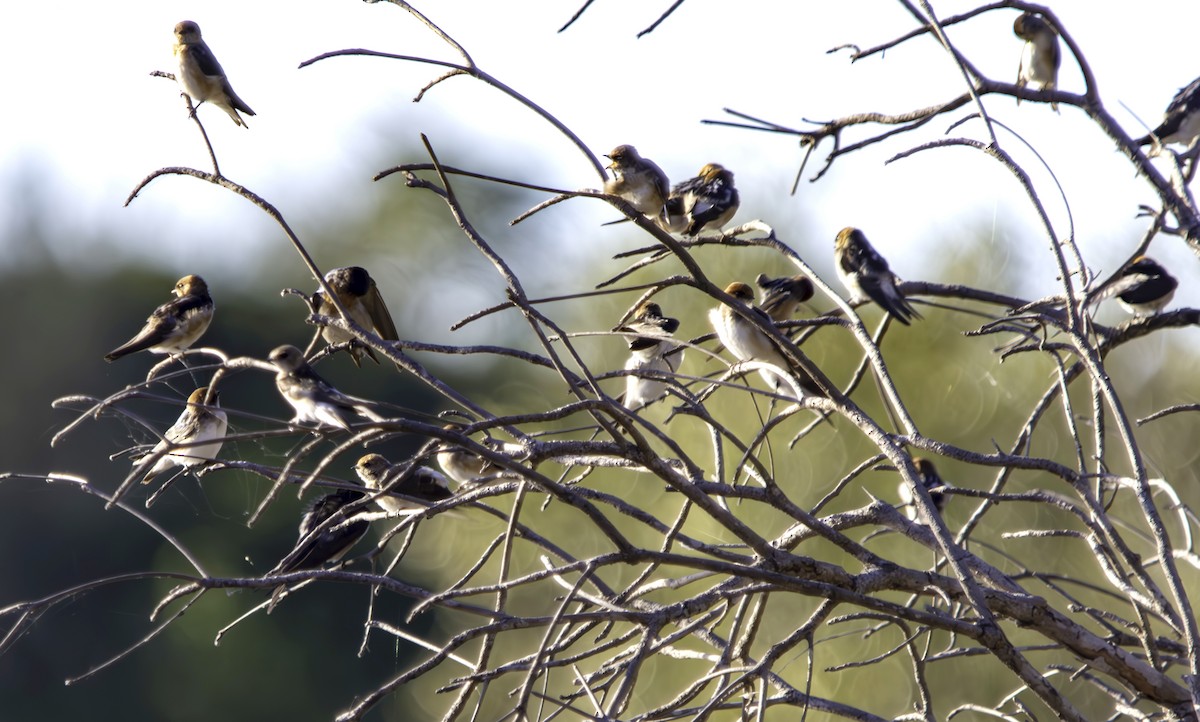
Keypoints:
pixel 316 548
pixel 927 474
pixel 866 275
pixel 422 486
pixel 358 293
pixel 1143 288
pixel 200 75
pixel 651 350
pixel 201 431
pixel 1041 55
pixel 312 397
pixel 747 342
pixel 1181 122
pixel 704 203
pixel 781 297
pixel 175 325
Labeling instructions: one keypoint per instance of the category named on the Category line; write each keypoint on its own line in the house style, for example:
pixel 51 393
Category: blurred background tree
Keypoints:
pixel 301 661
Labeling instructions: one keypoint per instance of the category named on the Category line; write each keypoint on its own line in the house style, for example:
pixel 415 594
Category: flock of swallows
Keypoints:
pixel 704 203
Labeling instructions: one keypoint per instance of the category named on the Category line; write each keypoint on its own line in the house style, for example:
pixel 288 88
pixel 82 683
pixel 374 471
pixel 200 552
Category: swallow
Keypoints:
pixel 927 474
pixel 194 438
pixel 637 180
pixel 313 398
pixel 175 325
pixel 782 296
pixel 747 342
pixel 200 75
pixel 460 464
pixel 1181 122
pixel 1143 288
pixel 651 350
pixel 414 488
pixel 704 203
pixel 316 546
pixel 1041 56
pixel 465 466
pixel 358 293
pixel 866 275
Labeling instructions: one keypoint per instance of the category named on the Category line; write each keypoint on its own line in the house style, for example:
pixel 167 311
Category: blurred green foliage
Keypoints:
pixel 300 662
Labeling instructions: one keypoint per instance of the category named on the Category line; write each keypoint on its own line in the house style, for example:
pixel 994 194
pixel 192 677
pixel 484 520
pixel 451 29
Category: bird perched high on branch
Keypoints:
pixel 1041 55
pixel 201 76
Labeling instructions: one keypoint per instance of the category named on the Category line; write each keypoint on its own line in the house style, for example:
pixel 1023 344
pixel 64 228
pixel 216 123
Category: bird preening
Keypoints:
pixel 704 203
pixel 360 296
pixel 1040 57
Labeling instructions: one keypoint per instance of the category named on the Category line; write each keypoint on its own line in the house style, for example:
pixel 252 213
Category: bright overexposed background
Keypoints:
pixel 85 121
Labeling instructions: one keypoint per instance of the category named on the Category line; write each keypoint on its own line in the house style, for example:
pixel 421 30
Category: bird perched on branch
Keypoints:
pixel 1143 287
pixel 704 203
pixel 639 181
pixel 927 474
pixel 748 342
pixel 174 326
pixel 415 488
pixel 317 546
pixel 312 397
pixel 460 464
pixel 465 466
pixel 1041 56
pixel 866 275
pixel 782 296
pixel 194 439
pixel 200 75
pixel 1181 122
pixel 358 293
pixel 651 350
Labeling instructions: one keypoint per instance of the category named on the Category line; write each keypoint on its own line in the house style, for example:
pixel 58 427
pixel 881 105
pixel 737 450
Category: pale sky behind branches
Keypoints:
pixel 84 114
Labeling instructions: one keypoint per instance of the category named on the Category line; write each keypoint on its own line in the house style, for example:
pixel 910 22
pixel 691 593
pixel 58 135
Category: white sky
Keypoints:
pixel 82 108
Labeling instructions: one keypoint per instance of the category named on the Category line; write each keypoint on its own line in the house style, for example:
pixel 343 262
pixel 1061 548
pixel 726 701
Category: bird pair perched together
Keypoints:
pixel 704 203
pixel 1041 58
pixel 333 523
pixel 861 269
